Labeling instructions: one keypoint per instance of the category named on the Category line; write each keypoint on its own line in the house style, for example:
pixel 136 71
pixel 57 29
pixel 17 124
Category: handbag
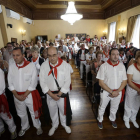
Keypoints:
pixel 63 94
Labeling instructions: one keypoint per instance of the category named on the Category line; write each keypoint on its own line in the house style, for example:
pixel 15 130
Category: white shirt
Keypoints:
pixel 63 77
pixel 136 74
pixel 122 58
pixel 76 39
pixel 37 65
pixel 2 82
pixel 88 56
pixel 22 79
pixel 123 46
pixel 83 55
pixel 112 76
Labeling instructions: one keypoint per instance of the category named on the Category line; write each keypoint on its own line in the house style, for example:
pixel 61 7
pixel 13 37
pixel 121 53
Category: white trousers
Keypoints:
pixel 82 63
pixel 114 104
pixel 8 121
pixel 21 107
pixel 132 104
pixel 53 109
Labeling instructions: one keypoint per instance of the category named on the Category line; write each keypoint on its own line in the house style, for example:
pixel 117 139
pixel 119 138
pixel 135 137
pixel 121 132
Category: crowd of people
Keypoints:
pixel 31 71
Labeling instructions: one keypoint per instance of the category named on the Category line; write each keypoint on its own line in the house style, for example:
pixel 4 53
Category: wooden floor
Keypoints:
pixel 84 125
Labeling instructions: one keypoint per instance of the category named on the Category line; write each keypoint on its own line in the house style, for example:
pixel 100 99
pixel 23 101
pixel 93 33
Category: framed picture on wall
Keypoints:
pixel 14 40
pixel 78 35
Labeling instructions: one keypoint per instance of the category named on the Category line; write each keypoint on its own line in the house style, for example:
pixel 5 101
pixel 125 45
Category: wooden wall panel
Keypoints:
pixel 120 6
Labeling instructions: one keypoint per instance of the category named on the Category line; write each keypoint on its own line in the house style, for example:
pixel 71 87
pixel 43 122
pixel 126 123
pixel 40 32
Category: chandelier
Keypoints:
pixel 71 14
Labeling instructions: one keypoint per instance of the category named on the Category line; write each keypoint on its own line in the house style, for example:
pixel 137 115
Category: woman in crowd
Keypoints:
pixel 132 98
pixel 38 62
pixel 28 54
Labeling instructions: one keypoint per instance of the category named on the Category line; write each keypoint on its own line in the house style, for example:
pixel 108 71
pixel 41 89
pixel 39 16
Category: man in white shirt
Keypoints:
pixel 82 57
pixel 76 39
pixel 55 82
pixel 4 110
pixel 105 53
pixel 22 80
pixel 8 54
pixel 112 79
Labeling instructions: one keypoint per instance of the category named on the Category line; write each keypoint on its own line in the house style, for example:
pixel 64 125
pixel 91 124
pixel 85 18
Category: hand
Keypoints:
pixel 139 92
pixel 115 93
pixel 37 66
pixel 60 93
pixel 21 97
pixel 55 97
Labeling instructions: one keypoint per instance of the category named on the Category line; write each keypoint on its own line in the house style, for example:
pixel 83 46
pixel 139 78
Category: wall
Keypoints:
pixel 6 33
pixel 122 20
pixel 1 40
pixel 54 27
pixel 15 31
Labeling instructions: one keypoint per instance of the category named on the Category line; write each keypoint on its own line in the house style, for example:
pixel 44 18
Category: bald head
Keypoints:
pixel 53 55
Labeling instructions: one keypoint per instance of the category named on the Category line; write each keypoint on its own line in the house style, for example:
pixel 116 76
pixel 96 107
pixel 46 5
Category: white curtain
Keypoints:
pixel 136 34
pixel 112 31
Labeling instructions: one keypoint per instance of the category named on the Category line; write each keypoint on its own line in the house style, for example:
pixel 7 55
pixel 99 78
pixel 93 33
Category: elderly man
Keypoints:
pixel 8 56
pixel 55 82
pixel 105 53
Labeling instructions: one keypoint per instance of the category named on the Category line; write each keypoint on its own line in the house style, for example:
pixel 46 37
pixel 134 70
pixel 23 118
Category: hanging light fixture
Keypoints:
pixel 71 14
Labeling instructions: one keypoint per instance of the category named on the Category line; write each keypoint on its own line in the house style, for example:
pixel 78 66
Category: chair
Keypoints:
pixel 89 86
pixel 96 99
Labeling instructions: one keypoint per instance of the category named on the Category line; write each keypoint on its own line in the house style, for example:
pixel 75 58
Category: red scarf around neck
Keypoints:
pixel 55 68
pixel 109 62
pixel 106 55
pixel 24 65
pixel 34 60
pixel 130 52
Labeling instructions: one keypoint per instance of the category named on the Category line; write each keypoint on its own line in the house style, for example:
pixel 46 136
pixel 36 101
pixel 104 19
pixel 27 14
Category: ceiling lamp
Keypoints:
pixel 71 14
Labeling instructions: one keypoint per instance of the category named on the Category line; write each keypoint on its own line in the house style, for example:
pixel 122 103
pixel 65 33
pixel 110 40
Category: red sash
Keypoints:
pixel 4 107
pixel 138 85
pixel 55 68
pixel 37 103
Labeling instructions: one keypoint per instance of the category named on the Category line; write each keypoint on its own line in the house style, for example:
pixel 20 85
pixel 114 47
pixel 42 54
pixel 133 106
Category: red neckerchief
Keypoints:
pixel 130 52
pixel 122 44
pixel 121 55
pixel 101 45
pixel 135 64
pixel 55 68
pixel 24 65
pixel 106 55
pixel 109 62
pixel 83 49
pixel 34 60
